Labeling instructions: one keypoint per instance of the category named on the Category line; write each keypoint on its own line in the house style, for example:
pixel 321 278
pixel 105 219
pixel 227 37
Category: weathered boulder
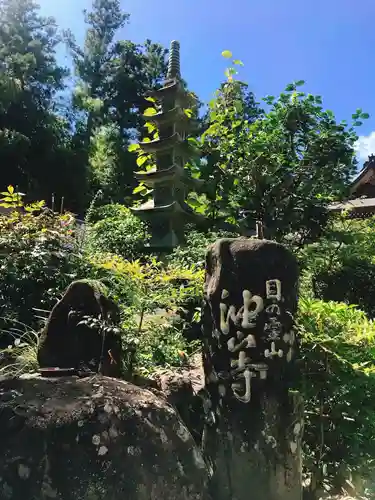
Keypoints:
pixel 94 438
pixel 182 388
pixel 81 331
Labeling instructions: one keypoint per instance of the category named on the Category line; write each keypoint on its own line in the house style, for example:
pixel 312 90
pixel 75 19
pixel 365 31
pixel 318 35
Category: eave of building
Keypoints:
pixel 364 206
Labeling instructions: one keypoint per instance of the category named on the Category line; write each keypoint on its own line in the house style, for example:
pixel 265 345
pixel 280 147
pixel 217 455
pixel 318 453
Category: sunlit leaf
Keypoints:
pixel 133 147
pixel 227 54
pixel 150 127
pixel 141 160
pixel 139 189
pixel 149 112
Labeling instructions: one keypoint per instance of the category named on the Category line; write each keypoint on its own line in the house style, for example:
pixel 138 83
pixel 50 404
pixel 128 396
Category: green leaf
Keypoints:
pixel 238 105
pixel 299 83
pixel 150 99
pixel 227 54
pixel 269 99
pixel 194 203
pixel 150 112
pixel 188 112
pixel 364 116
pixel 357 123
pixel 10 189
pixel 139 189
pixel 290 87
pixel 193 140
pixel 150 127
pixel 141 160
pixel 238 62
pixel 229 72
pixel 146 139
pixel 133 147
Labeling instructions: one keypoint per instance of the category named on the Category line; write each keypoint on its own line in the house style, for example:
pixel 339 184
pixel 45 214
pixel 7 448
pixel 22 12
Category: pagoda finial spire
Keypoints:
pixel 168 211
pixel 174 61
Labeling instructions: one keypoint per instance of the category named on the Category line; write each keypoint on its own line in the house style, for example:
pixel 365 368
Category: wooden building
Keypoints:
pixel 362 193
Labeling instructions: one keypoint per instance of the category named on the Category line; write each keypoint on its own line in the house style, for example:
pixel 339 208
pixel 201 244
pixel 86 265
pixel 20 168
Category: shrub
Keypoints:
pixel 338 359
pixel 341 266
pixel 37 262
pixel 151 296
pixel 193 252
pixel 353 283
pixel 114 229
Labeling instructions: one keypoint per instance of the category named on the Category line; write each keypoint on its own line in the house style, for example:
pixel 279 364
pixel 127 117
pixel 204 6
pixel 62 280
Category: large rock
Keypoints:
pixel 82 331
pixel 182 388
pixel 94 438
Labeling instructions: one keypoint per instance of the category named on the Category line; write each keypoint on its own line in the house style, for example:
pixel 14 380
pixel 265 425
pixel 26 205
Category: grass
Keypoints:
pixel 20 356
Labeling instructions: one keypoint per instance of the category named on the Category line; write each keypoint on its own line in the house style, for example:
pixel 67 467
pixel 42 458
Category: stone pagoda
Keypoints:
pixel 167 213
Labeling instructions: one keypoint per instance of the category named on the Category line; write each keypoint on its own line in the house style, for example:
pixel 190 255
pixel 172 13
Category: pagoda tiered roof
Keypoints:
pixel 167 212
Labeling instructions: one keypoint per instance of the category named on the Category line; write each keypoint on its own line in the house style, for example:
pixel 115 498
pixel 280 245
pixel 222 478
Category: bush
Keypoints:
pixel 37 262
pixel 151 296
pixel 341 266
pixel 338 359
pixel 352 283
pixel 114 229
pixel 193 252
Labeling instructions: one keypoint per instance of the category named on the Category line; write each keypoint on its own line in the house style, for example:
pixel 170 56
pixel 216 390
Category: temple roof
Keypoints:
pixel 362 192
pixel 357 204
pixel 365 176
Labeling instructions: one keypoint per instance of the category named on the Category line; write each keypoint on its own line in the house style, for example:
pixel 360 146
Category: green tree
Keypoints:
pixel 112 77
pixel 34 135
pixel 283 167
pixel 236 96
pixel 93 62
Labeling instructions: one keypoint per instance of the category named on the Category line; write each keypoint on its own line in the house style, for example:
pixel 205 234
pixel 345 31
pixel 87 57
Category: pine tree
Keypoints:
pixel 34 136
pixel 112 77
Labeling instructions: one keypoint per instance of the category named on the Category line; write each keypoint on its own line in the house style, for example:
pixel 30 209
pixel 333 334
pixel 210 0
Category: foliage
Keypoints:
pixel 338 355
pixel 108 99
pixel 283 167
pixel 36 258
pixel 117 231
pixel 20 356
pixel 341 265
pixel 193 252
pixel 35 148
pixel 151 296
pixel 280 166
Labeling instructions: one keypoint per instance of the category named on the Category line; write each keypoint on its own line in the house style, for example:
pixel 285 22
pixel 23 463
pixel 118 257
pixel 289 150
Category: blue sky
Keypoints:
pixel 328 43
